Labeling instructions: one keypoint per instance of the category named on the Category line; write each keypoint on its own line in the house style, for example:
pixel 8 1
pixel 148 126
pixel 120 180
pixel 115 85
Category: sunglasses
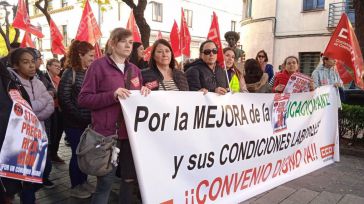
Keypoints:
pixel 261 56
pixel 208 51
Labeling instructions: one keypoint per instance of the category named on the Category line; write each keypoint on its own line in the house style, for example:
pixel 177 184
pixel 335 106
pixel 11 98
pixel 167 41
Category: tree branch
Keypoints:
pixel 44 9
pixel 130 3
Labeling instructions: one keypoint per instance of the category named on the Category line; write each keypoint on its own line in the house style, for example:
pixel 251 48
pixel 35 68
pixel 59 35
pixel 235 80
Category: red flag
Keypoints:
pixel 27 41
pixel 88 30
pixel 174 38
pixel 343 73
pixel 56 38
pixel 147 53
pixel 344 46
pixel 22 21
pixel 131 25
pixel 214 35
pixel 159 36
pixel 98 52
pixel 185 36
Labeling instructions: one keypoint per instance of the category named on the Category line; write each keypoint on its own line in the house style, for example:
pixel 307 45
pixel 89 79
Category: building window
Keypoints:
pixel 233 25
pixel 64 33
pixel 50 5
pixel 157 11
pixel 64 3
pixel 247 8
pixel 188 17
pixel 309 61
pixel 313 5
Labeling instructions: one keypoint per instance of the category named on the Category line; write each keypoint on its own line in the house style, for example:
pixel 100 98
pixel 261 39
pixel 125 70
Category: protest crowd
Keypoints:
pixel 80 93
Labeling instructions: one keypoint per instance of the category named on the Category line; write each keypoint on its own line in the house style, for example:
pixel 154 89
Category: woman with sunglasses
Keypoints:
pixel 205 74
pixel 162 74
pixel 262 58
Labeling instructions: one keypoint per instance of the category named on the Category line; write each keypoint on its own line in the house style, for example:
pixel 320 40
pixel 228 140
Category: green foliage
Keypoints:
pixel 351 121
pixel 104 4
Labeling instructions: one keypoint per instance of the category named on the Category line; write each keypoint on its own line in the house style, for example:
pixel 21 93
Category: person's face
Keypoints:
pixel 140 51
pixel 291 65
pixel 55 68
pixel 123 48
pixel 26 66
pixel 38 62
pixel 330 62
pixel 229 58
pixel 87 58
pixel 231 41
pixel 162 55
pixel 261 58
pixel 209 53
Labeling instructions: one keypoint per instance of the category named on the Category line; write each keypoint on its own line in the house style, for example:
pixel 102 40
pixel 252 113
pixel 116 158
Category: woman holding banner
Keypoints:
pixel 107 80
pixel 236 78
pixel 162 74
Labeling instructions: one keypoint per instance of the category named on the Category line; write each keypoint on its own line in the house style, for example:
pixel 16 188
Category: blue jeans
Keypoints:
pixel 27 195
pixel 76 175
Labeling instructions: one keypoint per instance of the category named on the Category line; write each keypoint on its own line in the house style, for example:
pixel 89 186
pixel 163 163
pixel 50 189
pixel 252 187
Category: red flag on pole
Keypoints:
pixel 159 36
pixel 88 30
pixel 22 21
pixel 344 46
pixel 214 35
pixel 56 38
pixel 98 52
pixel 343 73
pixel 185 36
pixel 147 53
pixel 132 26
pixel 174 38
pixel 27 41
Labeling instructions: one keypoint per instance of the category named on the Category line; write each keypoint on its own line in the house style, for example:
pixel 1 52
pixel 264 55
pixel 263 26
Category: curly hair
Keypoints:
pixel 73 59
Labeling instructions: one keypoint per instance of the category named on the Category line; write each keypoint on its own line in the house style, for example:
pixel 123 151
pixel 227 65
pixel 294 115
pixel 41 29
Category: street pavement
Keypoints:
pixel 341 183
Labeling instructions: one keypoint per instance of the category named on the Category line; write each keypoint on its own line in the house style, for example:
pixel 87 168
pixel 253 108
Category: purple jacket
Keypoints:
pixel 102 78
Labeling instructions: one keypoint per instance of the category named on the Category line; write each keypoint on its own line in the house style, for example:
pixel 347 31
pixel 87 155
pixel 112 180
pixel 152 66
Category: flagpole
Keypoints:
pixel 227 76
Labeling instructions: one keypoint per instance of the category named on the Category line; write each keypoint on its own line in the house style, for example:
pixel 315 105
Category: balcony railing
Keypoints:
pixel 337 9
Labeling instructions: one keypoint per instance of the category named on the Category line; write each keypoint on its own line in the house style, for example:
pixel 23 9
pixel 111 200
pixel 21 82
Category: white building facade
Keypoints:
pixel 160 15
pixel 290 27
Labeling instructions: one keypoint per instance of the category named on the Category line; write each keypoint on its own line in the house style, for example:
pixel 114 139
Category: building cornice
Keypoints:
pixel 302 35
pixel 66 8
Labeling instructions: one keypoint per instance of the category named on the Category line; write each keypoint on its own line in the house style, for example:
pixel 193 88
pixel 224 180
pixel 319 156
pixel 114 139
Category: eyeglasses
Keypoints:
pixel 261 56
pixel 208 51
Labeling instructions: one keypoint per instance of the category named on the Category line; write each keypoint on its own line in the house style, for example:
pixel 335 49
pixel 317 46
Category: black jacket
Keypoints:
pixel 7 82
pixel 199 76
pixel 68 91
pixel 155 78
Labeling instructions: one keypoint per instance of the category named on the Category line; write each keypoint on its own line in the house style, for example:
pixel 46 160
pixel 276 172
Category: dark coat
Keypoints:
pixel 68 91
pixel 152 78
pixel 199 76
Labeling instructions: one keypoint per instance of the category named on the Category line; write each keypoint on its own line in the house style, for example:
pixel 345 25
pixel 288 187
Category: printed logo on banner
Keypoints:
pixel 18 109
pixel 135 81
pixel 279 112
pixel 327 151
pixel 152 84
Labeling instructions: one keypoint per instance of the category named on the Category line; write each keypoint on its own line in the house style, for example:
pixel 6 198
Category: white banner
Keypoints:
pixel 194 148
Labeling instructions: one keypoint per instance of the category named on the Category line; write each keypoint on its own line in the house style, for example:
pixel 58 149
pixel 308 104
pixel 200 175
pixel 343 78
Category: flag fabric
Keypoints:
pixel 56 38
pixel 175 40
pixel 185 36
pixel 214 35
pixel 22 21
pixel 27 41
pixel 88 30
pixel 343 73
pixel 132 26
pixel 344 46
pixel 147 53
pixel 159 35
pixel 98 52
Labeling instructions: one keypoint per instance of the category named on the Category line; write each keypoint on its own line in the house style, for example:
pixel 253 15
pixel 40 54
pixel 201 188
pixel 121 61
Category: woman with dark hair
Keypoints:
pixel 109 79
pixel 137 56
pixel 256 80
pixel 262 58
pixel 79 57
pixel 291 65
pixel 162 73
pixel 232 70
